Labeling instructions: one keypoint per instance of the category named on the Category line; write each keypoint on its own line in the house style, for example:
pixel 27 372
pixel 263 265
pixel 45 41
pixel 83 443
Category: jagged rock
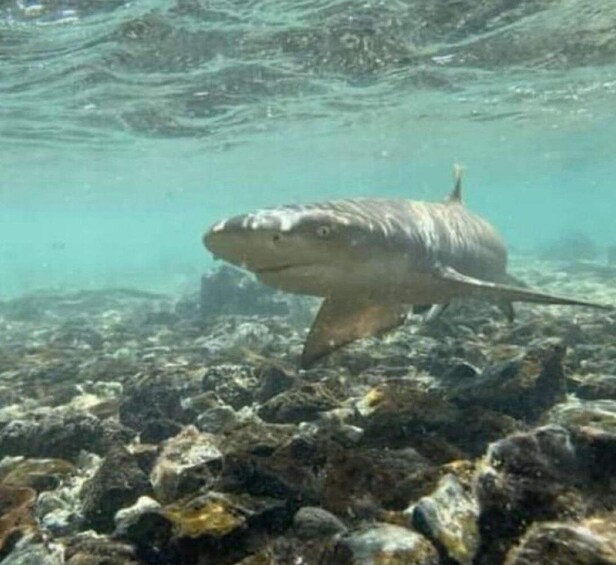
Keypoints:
pixel 60 436
pixel 229 291
pixel 125 518
pixel 597 387
pixel 399 410
pixel 383 543
pixel 524 386
pixel 144 524
pixel 216 419
pixel 186 463
pixel 233 384
pixel 273 380
pixel 155 431
pixel 313 522
pixel 265 460
pixel 151 400
pixel 527 477
pixel 145 454
pixel 88 550
pixel 596 453
pixel 30 551
pixel 300 404
pixel 368 480
pixel 556 543
pixel 256 438
pixel 227 527
pixel 39 474
pixel 117 483
pixel 476 427
pixel 62 522
pixel 16 505
pixel 578 413
pixel 449 517
pixel 216 514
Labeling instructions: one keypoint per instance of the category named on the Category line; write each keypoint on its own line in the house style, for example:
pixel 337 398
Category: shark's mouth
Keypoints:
pixel 277 269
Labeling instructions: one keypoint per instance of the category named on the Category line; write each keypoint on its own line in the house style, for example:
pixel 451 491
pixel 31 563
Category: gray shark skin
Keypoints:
pixel 370 259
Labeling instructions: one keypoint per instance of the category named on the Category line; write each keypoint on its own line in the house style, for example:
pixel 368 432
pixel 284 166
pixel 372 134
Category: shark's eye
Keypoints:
pixel 276 238
pixel 324 231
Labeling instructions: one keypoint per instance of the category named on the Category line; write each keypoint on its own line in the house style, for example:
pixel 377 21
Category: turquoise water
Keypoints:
pixel 126 129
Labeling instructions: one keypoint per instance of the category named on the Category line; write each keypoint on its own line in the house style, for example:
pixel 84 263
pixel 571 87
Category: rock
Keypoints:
pixel 476 427
pixel 216 419
pixel 205 515
pixel 185 464
pixel 579 413
pixel 528 477
pixel 127 517
pixel 155 431
pixel 250 335
pixel 266 460
pixel 88 550
pixel 229 291
pixel 571 246
pixel 59 511
pixel 117 483
pixel 555 543
pixel 62 522
pixel 313 522
pixel 233 384
pixel 39 474
pixel 30 551
pixel 256 438
pixel 273 380
pixel 597 387
pixel 365 481
pixel 401 410
pixel 144 524
pixel 16 505
pixel 217 514
pixel 383 543
pixel 227 527
pixel 300 404
pixel 48 502
pixel 148 401
pixel 449 517
pixel 145 455
pixel 596 453
pixel 60 436
pixel 347 435
pixel 523 387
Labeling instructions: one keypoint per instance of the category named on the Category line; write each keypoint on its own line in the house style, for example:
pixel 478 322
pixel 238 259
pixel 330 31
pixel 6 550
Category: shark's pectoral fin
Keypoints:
pixel 463 285
pixel 507 309
pixel 430 312
pixel 435 312
pixel 343 320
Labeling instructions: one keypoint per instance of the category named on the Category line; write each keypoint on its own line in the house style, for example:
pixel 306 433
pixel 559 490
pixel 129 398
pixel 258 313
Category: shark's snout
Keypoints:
pixel 249 241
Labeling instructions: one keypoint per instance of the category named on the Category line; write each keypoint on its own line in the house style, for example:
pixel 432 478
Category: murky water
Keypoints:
pixel 127 128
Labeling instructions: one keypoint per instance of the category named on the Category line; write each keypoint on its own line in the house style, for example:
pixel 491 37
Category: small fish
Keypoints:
pixel 370 259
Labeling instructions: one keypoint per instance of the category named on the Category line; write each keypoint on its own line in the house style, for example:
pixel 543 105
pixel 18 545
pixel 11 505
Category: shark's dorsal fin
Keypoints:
pixel 456 193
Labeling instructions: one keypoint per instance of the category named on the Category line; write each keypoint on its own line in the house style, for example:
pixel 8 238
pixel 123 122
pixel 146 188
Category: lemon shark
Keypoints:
pixel 371 259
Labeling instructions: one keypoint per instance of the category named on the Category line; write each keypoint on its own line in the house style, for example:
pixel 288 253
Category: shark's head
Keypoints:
pixel 305 249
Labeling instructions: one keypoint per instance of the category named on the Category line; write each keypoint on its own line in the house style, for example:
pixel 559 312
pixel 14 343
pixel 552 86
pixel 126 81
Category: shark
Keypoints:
pixel 371 260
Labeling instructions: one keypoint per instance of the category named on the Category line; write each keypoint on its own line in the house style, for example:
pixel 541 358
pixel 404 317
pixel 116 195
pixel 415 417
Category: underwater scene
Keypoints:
pixel 307 282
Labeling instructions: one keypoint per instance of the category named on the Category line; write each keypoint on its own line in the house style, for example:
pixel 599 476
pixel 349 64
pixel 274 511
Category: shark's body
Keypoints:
pixel 372 258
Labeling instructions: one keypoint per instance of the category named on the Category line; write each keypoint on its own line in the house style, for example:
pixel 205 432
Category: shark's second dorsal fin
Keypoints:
pixel 456 193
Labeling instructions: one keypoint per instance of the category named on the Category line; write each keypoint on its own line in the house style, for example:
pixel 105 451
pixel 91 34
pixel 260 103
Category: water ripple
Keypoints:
pixel 88 70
